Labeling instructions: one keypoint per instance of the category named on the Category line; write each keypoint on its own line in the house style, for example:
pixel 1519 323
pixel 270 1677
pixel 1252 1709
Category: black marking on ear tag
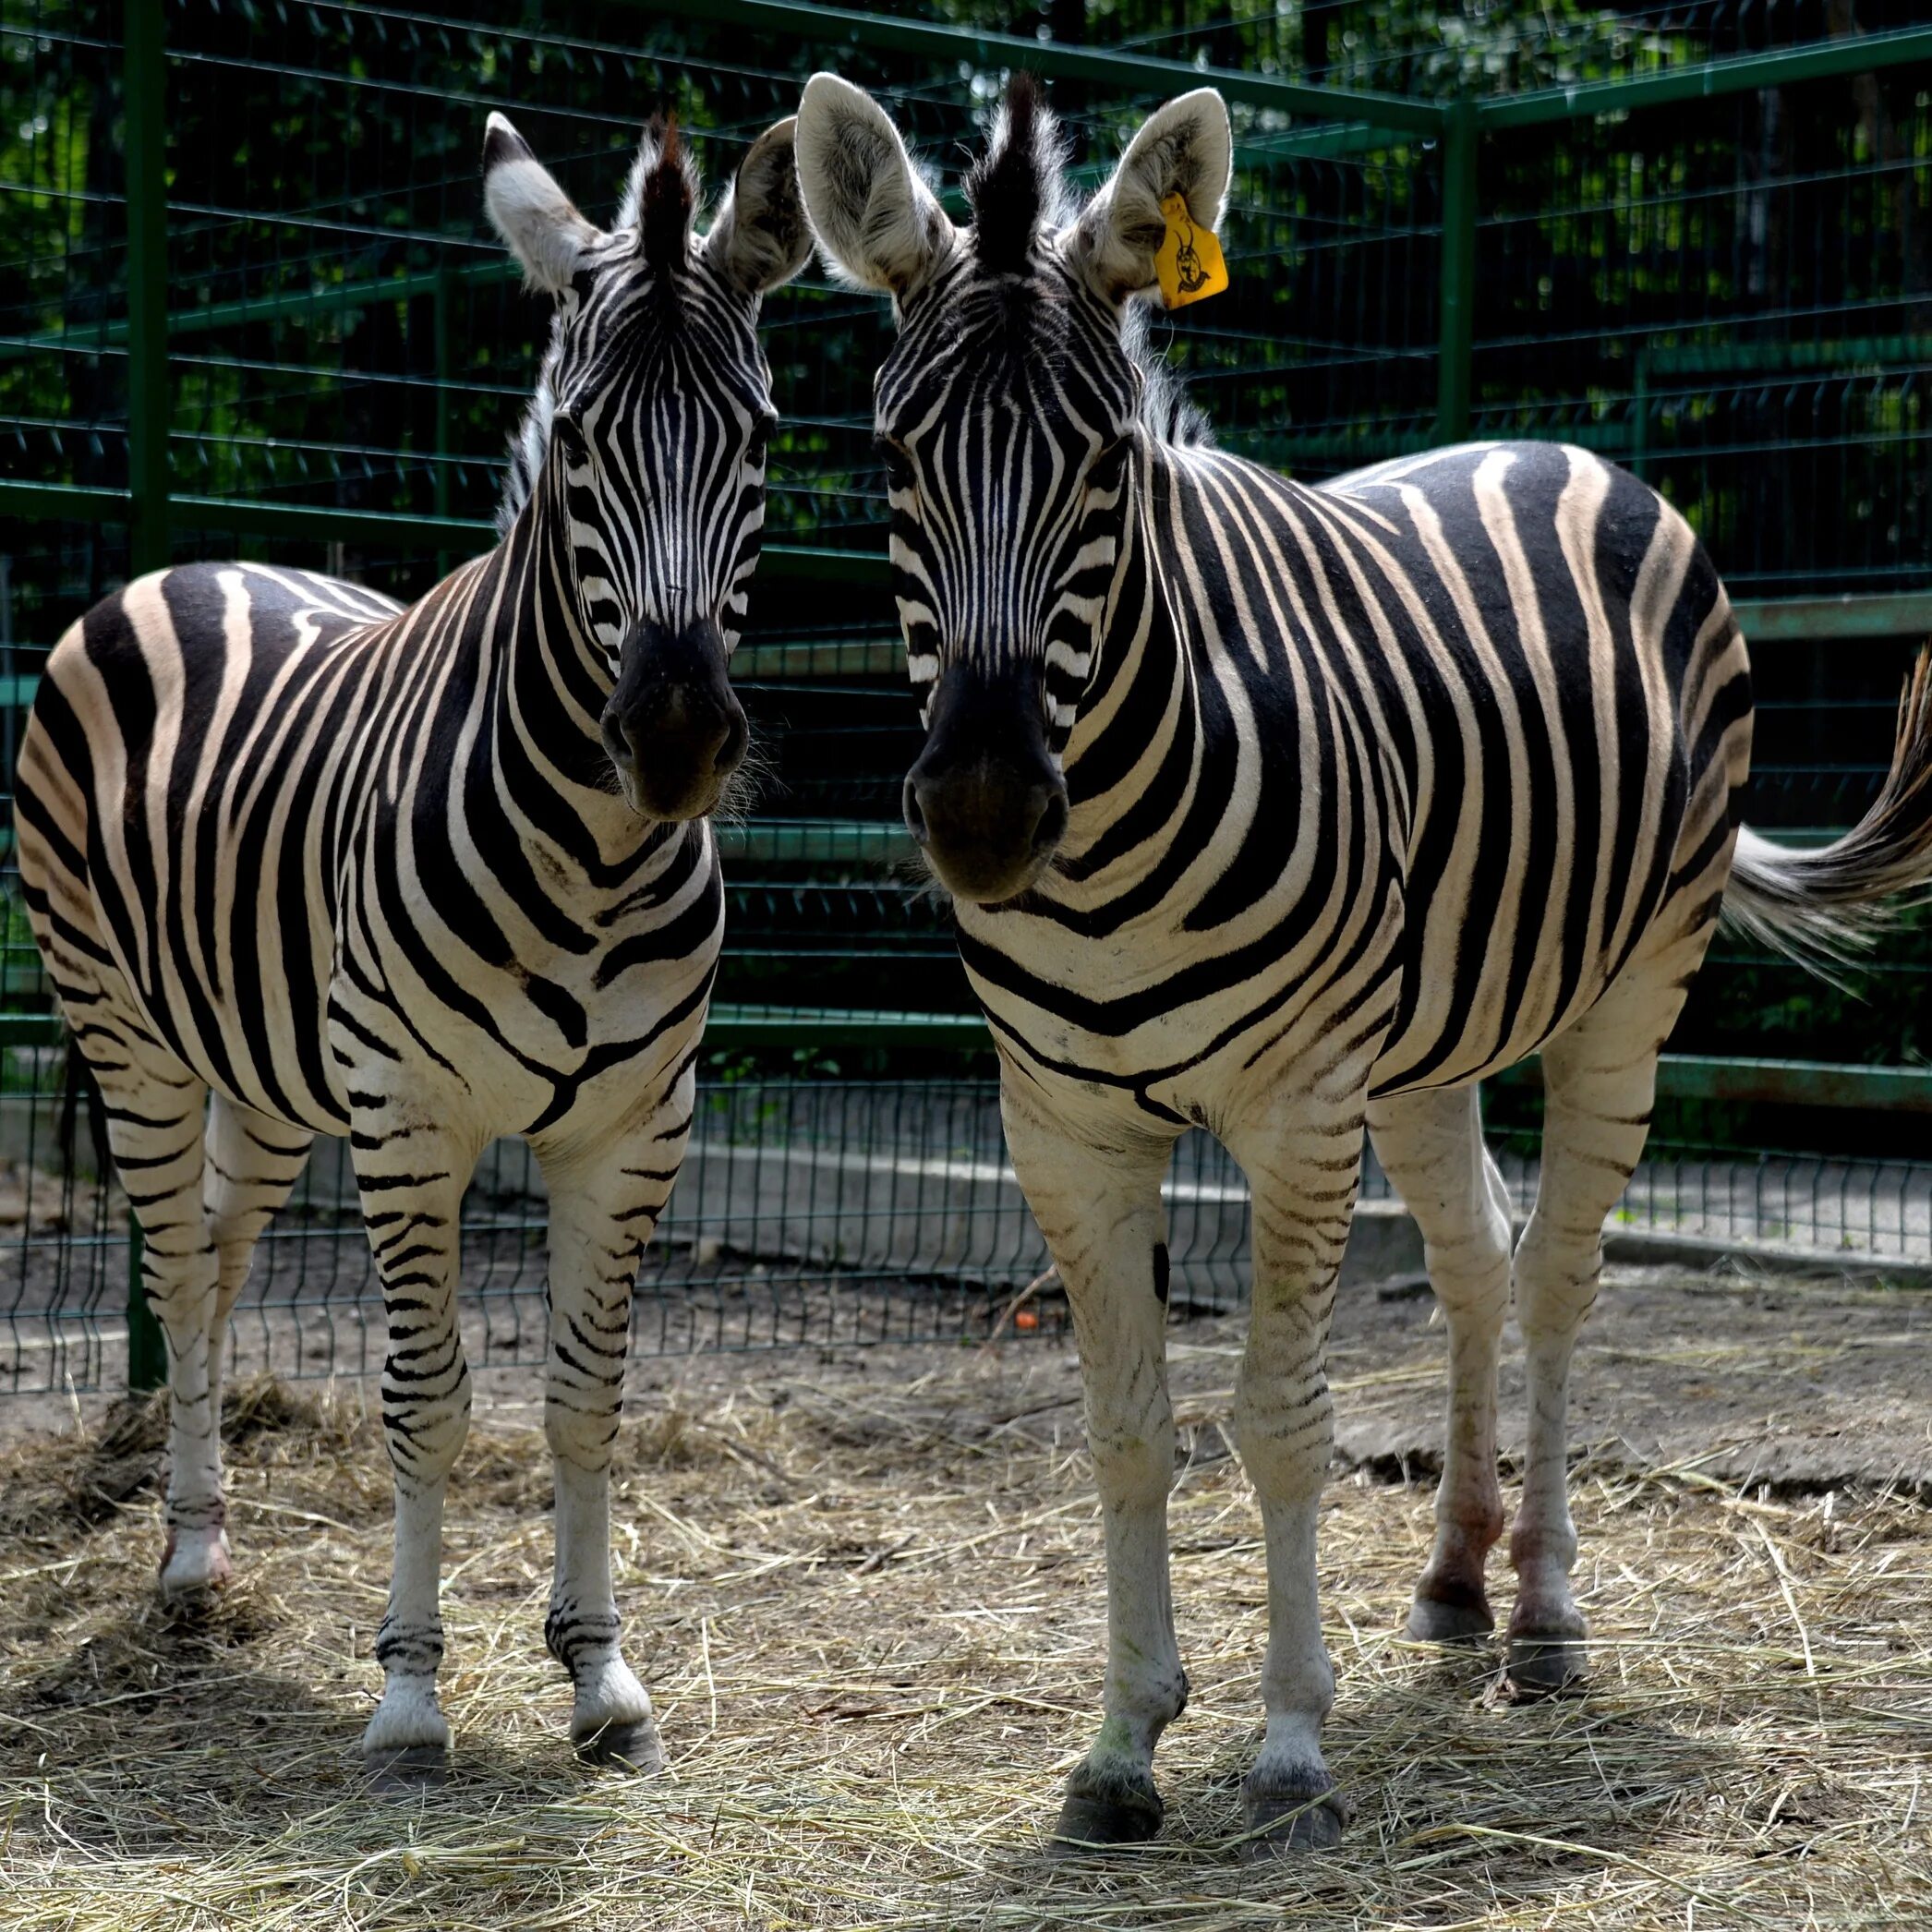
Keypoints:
pixel 1160 1273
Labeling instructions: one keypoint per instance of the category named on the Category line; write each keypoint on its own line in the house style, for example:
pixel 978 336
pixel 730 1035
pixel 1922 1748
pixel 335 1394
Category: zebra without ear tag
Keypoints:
pixel 1188 266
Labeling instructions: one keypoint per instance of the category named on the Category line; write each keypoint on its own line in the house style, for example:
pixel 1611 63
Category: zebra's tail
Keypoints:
pixel 1824 907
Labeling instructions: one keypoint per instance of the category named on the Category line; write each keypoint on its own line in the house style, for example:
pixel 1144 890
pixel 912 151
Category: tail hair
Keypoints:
pixel 1825 908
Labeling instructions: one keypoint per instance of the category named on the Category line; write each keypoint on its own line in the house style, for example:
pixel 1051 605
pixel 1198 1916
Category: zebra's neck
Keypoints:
pixel 547 681
pixel 1141 710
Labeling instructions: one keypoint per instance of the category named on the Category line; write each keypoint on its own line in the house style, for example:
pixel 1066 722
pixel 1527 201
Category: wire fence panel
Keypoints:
pixel 1732 297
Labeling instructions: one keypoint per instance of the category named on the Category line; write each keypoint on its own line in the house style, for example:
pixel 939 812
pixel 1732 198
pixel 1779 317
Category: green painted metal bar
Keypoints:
pixel 328 298
pixel 817 658
pixel 1751 358
pixel 440 323
pixel 793 1026
pixel 1736 74
pixel 144 83
pixel 1134 73
pixel 1457 335
pixel 820 841
pixel 1798 1083
pixel 380 529
pixel 63 503
pixel 1816 620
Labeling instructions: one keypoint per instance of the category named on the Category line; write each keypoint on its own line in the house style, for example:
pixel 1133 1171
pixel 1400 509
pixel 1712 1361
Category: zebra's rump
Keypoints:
pixel 175 799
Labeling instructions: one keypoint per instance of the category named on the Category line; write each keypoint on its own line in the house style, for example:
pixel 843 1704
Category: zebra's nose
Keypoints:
pixel 674 726
pixel 984 801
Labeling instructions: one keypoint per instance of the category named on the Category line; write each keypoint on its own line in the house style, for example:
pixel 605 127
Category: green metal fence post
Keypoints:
pixel 144 87
pixel 147 1347
pixel 441 319
pixel 1461 130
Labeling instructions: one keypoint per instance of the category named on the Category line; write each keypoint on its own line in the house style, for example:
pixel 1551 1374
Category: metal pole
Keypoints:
pixel 441 320
pixel 147 1347
pixel 1461 131
pixel 144 87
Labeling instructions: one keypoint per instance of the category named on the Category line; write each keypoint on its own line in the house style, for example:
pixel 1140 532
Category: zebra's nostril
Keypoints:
pixel 1051 825
pixel 915 813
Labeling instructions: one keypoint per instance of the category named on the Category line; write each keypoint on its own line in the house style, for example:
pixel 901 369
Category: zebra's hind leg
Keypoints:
pixel 251 1162
pixel 605 1200
pixel 155 1121
pixel 411 1174
pixel 1600 1079
pixel 1430 1147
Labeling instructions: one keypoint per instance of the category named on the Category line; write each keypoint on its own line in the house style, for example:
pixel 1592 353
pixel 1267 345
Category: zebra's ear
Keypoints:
pixel 877 223
pixel 760 238
pixel 1186 149
pixel 536 218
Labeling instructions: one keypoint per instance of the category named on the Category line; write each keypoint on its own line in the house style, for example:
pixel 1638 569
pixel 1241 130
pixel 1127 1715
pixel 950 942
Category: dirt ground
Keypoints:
pixel 865 1591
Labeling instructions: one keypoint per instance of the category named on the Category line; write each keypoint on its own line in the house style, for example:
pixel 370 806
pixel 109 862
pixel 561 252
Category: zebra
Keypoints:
pixel 1288 812
pixel 306 861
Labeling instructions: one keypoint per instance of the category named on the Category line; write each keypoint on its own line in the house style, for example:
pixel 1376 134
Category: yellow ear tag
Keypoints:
pixel 1188 265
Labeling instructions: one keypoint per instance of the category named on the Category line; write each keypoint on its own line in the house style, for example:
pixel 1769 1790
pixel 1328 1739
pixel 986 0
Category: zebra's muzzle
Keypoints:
pixel 985 800
pixel 674 726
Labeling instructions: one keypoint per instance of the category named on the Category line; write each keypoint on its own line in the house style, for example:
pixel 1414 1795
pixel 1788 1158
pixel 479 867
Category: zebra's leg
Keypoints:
pixel 1100 1210
pixel 606 1195
pixel 155 1109
pixel 1430 1147
pixel 1303 1174
pixel 1600 1079
pixel 411 1174
pixel 252 1161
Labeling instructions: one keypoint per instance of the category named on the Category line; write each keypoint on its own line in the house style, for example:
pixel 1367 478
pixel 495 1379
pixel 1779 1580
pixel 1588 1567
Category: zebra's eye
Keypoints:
pixel 1105 472
pixel 759 447
pixel 570 440
pixel 898 465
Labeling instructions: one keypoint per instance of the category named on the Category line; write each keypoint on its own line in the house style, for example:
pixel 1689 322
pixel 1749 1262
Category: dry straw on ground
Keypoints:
pixel 867 1598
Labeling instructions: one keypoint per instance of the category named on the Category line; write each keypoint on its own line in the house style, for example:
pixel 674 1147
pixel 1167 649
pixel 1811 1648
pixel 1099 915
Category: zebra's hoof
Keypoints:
pixel 404 1772
pixel 1464 1618
pixel 625 1746
pixel 1112 1808
pixel 1549 1665
pixel 1281 1822
pixel 194 1564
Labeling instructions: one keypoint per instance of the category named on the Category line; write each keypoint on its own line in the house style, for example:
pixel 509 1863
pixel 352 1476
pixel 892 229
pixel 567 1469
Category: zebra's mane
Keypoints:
pixel 1164 412
pixel 1017 187
pixel 660 199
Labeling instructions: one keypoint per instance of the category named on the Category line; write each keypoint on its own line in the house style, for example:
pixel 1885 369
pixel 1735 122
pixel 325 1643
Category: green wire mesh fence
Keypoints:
pixel 249 305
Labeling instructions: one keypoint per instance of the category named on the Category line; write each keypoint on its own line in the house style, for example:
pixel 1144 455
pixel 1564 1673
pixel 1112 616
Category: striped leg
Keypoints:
pixel 1100 1211
pixel 605 1200
pixel 250 1164
pixel 1303 1178
pixel 1430 1147
pixel 155 1121
pixel 1601 1079
pixel 411 1174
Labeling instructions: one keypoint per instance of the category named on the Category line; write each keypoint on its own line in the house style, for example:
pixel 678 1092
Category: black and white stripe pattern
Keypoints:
pixel 1289 812
pixel 302 862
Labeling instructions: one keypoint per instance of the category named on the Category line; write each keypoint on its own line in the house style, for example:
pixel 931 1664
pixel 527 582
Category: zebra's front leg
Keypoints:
pixel 411 1174
pixel 604 1203
pixel 1303 1177
pixel 1100 1210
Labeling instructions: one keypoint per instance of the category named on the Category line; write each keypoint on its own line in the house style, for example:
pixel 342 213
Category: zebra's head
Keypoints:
pixel 646 442
pixel 1011 412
